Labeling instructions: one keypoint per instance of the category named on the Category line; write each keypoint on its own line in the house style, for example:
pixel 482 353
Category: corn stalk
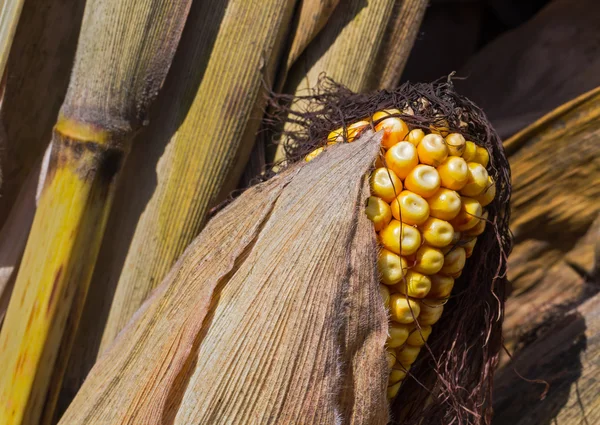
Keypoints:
pixel 364 47
pixel 209 125
pixel 37 74
pixel 124 53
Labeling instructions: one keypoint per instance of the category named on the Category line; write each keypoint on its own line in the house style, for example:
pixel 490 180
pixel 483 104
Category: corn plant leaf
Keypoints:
pixel 271 315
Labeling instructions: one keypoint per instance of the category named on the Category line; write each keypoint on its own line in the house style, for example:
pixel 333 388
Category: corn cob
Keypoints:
pixel 427 205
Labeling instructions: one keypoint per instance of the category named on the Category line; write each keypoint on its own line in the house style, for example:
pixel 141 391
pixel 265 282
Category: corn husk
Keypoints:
pixel 556 175
pixel 37 76
pixel 271 315
pixel 123 57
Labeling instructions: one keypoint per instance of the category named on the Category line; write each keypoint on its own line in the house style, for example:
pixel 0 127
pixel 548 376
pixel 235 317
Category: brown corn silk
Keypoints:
pixel 451 382
pixel 272 315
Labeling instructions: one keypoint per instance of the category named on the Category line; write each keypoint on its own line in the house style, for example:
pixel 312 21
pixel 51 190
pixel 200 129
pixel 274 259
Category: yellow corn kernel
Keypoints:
pixel 454 173
pixel 314 154
pixel 402 158
pixel 390 355
pixel 454 262
pixel 470 214
pixel 423 180
pixel 392 390
pixel 385 184
pixel 407 354
pixel 445 204
pixel 436 232
pixel 410 208
pixel 432 150
pixel 386 113
pixel 415 136
pixel 394 129
pixel 385 295
pixel 398 335
pixel 456 144
pixel 441 286
pixel 403 310
pixel 417 338
pixel 379 212
pixel 482 156
pixel 429 260
pixel 477 180
pixel 400 238
pixel 488 194
pixel 354 130
pixel 431 312
pixel 392 267
pixel 440 127
pixel 478 228
pixel 396 375
pixel 468 246
pixel 414 285
pixel 470 150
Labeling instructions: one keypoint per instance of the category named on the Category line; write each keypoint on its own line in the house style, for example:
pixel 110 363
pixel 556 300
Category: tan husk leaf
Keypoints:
pixel 272 315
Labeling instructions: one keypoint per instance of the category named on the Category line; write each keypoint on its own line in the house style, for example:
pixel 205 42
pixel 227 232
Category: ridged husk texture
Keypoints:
pixel 451 382
pixel 272 315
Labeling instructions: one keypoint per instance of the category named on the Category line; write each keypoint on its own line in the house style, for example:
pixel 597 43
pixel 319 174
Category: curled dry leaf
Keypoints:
pixel 272 315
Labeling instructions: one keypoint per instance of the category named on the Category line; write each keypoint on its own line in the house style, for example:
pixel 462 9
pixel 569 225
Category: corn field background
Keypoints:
pixel 170 98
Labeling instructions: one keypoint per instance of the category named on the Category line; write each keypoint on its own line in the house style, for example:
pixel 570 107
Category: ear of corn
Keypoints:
pixel 100 114
pixel 433 230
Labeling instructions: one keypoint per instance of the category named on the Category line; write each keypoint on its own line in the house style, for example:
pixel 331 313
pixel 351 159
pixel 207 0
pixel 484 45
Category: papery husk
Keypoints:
pixel 451 382
pixel 272 315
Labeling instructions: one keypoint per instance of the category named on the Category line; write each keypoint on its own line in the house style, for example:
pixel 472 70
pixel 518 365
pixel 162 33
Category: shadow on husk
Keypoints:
pixel 451 383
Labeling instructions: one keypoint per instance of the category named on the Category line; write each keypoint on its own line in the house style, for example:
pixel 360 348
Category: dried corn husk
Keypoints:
pixel 276 290
pixel 556 175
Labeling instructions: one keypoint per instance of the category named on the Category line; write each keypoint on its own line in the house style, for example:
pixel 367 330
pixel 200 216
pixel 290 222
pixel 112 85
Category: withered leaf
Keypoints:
pixel 272 315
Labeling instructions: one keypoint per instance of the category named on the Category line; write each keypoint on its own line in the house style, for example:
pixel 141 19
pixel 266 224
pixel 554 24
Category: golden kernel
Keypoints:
pixel 429 260
pixel 445 204
pixel 432 312
pixel 436 232
pixel 432 150
pixel 454 262
pixel 479 228
pixel 417 338
pixel 423 180
pixel 392 267
pixel 454 173
pixel 470 150
pixel 441 286
pixel 397 335
pixel 481 156
pixel 403 310
pixel 400 238
pixel 397 374
pixel 394 130
pixel 410 208
pixel 470 214
pixel 407 354
pixel 390 355
pixel 468 246
pixel 314 154
pixel 418 285
pixel 402 158
pixel 477 180
pixel 385 184
pixel 385 295
pixel 488 194
pixel 415 136
pixel 392 390
pixel 379 212
pixel 456 144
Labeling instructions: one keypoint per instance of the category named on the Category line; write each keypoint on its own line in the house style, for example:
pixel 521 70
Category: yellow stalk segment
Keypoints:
pixel 124 53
